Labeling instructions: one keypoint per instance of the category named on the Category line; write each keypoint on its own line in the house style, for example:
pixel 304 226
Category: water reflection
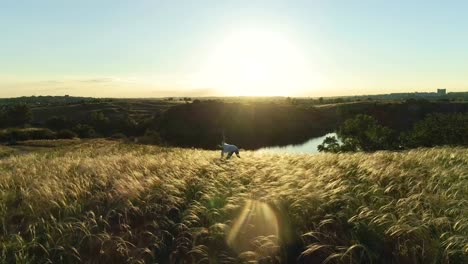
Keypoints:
pixel 309 146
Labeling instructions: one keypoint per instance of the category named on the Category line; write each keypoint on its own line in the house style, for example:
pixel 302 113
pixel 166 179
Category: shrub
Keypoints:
pixel 150 137
pixel 438 129
pixel 118 136
pixel 58 123
pixel 66 134
pixel 84 131
pixel 20 134
pixel 330 144
pixel 39 133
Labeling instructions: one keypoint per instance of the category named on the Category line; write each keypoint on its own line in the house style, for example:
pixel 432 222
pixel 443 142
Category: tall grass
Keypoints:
pixel 109 202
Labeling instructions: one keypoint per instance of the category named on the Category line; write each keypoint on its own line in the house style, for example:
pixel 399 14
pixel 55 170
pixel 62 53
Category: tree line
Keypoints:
pixel 206 124
pixel 15 120
pixel 365 133
pixel 203 124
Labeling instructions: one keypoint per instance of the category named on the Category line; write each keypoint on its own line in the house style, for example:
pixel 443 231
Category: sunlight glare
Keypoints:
pixel 257 63
pixel 256 229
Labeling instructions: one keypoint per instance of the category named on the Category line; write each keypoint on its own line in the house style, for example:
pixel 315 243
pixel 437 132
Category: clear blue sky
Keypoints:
pixel 157 48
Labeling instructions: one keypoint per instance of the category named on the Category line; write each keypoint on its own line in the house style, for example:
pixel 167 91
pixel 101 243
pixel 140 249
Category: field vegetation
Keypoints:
pixel 110 202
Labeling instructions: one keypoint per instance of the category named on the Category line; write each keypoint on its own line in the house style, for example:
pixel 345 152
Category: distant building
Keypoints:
pixel 441 91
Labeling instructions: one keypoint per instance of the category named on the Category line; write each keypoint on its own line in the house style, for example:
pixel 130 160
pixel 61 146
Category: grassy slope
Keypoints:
pixel 118 107
pixel 100 201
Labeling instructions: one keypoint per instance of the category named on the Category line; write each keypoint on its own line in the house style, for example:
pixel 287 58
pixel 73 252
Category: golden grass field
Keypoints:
pixel 110 202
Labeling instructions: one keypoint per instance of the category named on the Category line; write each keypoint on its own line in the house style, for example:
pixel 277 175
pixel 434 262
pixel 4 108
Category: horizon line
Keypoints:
pixel 232 96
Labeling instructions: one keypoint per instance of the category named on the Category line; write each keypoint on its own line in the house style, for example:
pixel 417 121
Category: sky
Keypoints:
pixel 155 48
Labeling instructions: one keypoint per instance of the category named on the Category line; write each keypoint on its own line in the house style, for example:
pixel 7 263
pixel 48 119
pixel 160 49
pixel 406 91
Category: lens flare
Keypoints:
pixel 255 230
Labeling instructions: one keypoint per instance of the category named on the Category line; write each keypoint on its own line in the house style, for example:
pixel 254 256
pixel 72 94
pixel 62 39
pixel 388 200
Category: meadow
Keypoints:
pixel 98 201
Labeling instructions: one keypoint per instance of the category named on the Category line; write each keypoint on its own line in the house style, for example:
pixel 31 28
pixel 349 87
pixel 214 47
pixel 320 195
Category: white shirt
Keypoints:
pixel 229 148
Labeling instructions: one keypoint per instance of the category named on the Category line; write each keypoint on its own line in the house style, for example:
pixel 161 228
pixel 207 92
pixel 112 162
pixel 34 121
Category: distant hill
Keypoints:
pixel 249 122
pixel 79 108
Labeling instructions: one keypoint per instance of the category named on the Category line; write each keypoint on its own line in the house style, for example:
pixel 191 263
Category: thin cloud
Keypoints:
pixel 98 80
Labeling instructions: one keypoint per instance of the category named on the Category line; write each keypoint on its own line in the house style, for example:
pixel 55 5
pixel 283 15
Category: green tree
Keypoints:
pixel 100 122
pixel 58 123
pixel 18 115
pixel 438 129
pixel 84 131
pixel 364 133
pixel 3 119
pixel 330 144
pixel 361 133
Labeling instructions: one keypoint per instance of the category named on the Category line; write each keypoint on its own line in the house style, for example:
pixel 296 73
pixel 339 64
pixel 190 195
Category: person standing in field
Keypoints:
pixel 229 149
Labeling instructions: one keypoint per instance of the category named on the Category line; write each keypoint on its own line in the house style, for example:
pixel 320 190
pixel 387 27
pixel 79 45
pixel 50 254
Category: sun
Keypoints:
pixel 257 63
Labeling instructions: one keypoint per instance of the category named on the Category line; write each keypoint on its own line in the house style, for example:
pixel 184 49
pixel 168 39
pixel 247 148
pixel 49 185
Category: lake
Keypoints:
pixel 309 146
